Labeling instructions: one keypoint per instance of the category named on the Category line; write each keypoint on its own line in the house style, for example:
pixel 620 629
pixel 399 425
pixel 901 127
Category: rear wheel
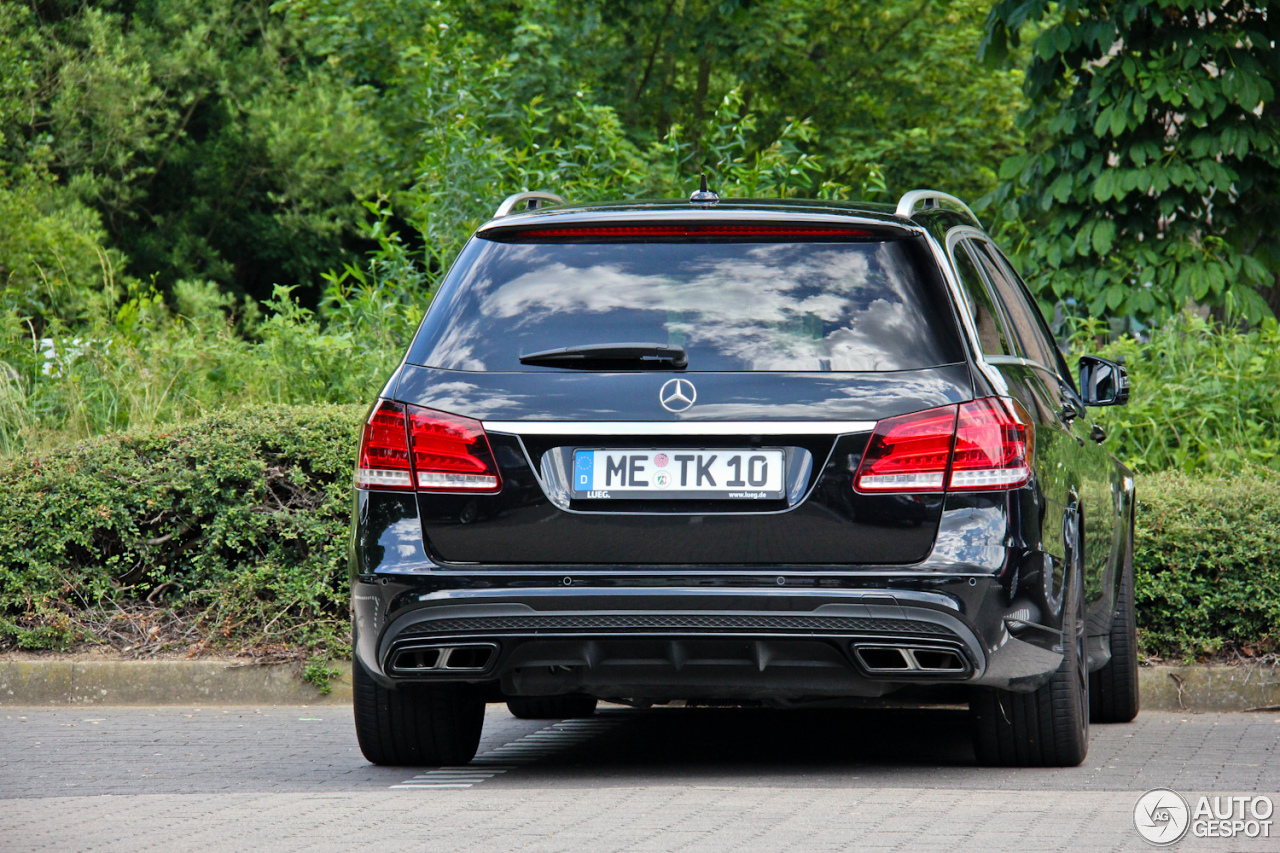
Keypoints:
pixel 1113 690
pixel 416 724
pixel 552 707
pixel 1048 727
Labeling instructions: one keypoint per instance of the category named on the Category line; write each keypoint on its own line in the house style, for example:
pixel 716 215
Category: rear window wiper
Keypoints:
pixel 638 355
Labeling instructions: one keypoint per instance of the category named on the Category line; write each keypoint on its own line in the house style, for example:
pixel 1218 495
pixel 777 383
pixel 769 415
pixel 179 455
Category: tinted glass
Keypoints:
pixel 860 306
pixel 1023 316
pixel 990 325
pixel 1045 335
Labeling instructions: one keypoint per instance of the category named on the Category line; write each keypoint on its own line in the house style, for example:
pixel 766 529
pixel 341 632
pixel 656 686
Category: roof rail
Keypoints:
pixel 927 199
pixel 532 201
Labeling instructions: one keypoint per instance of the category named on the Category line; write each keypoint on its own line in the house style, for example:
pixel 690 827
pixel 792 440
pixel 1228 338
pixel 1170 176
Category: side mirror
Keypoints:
pixel 1102 382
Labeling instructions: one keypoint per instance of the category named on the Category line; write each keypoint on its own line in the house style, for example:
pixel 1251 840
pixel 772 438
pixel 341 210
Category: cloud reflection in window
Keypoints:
pixel 733 306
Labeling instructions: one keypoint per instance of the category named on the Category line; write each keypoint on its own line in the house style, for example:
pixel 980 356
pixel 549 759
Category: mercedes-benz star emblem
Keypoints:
pixel 677 395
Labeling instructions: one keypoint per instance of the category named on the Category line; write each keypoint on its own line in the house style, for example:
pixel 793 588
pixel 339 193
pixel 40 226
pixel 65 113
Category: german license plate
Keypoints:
pixel 678 474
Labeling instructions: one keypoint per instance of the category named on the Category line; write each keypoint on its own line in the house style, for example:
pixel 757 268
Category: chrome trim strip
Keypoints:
pixel 980 359
pixel 1016 360
pixel 558 593
pixel 606 428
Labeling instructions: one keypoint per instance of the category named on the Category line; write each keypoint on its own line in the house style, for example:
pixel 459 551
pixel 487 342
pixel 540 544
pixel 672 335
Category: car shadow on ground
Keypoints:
pixel 764 739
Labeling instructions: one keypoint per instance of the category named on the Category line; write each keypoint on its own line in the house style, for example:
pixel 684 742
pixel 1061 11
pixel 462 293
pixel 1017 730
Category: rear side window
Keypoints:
pixel 1025 318
pixel 733 306
pixel 990 325
pixel 1018 289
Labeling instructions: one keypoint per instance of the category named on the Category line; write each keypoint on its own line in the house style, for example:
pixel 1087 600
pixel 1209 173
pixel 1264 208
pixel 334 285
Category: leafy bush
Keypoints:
pixel 227 534
pixel 1208 563
pixel 1204 397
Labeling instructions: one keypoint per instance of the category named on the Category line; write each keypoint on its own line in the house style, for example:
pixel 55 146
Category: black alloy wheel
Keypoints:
pixel 416 724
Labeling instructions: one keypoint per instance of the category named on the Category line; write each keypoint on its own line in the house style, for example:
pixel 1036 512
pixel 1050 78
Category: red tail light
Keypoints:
pixel 993 446
pixel 909 453
pixel 976 446
pixel 384 450
pixel 450 453
pixel 404 446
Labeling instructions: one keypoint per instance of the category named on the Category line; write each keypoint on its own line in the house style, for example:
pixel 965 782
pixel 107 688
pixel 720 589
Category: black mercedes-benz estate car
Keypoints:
pixel 769 452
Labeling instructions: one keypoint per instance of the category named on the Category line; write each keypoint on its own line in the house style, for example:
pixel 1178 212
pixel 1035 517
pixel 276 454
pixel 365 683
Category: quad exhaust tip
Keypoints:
pixel 880 659
pixel 469 657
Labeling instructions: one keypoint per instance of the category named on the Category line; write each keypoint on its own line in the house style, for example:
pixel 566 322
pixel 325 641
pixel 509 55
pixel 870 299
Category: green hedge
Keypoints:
pixel 1208 563
pixel 229 534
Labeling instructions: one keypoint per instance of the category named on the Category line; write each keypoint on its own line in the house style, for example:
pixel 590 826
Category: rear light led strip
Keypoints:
pixel 977 446
pixel 409 448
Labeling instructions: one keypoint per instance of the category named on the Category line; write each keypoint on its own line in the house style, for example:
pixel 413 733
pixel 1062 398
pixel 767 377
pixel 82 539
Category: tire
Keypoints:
pixel 416 724
pixel 552 707
pixel 1113 690
pixel 1045 728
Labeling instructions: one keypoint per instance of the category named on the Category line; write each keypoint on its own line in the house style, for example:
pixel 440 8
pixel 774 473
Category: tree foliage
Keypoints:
pixel 886 87
pixel 239 141
pixel 206 140
pixel 1152 176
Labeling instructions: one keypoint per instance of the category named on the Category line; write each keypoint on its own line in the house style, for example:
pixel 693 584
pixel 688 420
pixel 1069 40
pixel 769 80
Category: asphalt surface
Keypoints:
pixel 292 778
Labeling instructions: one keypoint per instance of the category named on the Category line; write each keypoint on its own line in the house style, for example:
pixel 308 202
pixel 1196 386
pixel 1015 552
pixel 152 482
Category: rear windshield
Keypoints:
pixel 733 306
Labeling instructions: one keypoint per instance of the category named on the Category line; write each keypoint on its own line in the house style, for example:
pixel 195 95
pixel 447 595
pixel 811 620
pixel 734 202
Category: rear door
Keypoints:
pixel 795 345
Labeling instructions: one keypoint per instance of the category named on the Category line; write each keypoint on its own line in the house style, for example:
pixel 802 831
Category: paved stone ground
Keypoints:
pixel 292 778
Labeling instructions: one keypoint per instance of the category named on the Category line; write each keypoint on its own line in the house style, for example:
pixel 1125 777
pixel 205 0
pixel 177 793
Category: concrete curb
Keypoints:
pixel 163 682
pixel 1209 688
pixel 1194 689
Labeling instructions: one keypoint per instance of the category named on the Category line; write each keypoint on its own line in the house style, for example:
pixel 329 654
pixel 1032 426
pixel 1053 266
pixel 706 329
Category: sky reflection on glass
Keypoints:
pixel 733 306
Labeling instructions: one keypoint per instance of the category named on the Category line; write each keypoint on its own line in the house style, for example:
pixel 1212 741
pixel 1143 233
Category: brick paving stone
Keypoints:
pixel 292 778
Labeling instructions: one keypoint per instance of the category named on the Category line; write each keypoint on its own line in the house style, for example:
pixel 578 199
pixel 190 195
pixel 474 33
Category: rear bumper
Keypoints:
pixel 669 641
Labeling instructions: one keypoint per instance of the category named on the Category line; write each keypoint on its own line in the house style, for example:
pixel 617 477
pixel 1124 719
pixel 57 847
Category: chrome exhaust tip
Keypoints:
pixel 464 657
pixel 883 659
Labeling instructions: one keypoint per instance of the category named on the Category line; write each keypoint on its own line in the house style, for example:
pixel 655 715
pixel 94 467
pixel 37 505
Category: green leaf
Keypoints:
pixel 1103 234
pixel 1104 186
pixel 1115 296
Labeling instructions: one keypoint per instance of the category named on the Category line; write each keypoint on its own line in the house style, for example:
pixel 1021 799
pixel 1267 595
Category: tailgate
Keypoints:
pixel 723 503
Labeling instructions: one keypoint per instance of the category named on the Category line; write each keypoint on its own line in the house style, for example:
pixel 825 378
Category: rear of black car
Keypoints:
pixel 659 453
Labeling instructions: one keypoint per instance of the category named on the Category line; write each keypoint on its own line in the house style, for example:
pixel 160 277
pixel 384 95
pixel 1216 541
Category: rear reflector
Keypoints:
pixel 981 445
pixel 403 445
pixel 694 231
